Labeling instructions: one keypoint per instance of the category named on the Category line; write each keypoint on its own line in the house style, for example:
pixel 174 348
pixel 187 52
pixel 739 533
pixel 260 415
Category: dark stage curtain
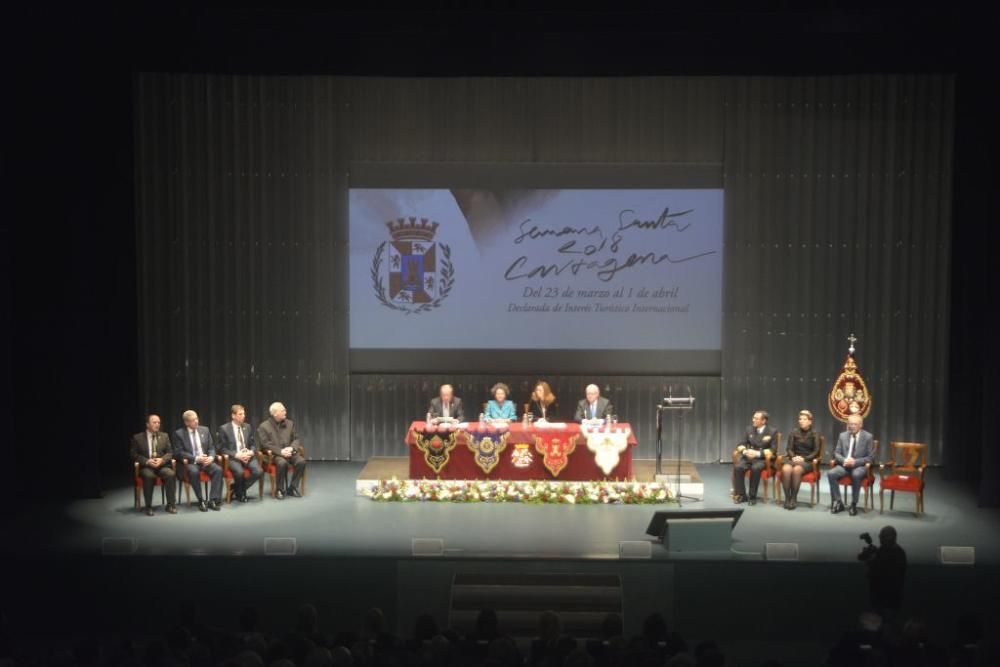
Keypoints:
pixel 973 392
pixel 838 220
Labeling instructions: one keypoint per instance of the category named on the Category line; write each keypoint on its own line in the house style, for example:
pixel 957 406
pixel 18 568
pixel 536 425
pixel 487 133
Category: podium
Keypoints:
pixel 677 406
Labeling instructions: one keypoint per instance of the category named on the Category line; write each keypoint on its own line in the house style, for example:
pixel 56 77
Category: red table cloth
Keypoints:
pixel 525 453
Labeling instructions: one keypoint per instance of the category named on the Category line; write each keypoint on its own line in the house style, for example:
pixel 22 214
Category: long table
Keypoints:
pixel 520 452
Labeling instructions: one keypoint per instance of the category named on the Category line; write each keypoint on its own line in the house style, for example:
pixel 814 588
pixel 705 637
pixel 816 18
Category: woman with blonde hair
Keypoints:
pixel 543 404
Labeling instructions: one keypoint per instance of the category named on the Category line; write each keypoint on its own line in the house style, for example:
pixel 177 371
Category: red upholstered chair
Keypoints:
pixel 810 478
pixel 766 475
pixel 203 479
pixel 904 472
pixel 869 480
pixel 137 485
pixel 271 471
pixel 227 475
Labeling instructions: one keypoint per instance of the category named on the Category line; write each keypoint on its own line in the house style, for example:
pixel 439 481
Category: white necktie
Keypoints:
pixel 593 410
pixel 150 445
pixel 239 436
pixel 444 409
pixel 850 450
pixel 197 443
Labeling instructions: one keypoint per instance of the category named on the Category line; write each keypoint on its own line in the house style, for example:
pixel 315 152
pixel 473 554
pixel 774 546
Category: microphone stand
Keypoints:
pixel 659 439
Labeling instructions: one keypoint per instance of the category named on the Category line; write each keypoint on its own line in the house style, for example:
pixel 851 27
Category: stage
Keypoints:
pixel 352 553
pixel 332 520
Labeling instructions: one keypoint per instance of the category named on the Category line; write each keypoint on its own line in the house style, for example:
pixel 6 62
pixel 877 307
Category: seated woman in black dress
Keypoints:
pixel 802 447
pixel 543 403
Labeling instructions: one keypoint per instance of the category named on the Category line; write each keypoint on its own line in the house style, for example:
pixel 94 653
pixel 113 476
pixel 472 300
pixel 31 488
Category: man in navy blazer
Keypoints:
pixel 755 449
pixel 855 448
pixel 194 444
pixel 237 442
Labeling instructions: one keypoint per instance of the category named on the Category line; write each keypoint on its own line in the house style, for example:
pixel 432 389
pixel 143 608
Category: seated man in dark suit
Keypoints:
pixel 151 450
pixel 447 406
pixel 594 406
pixel 855 448
pixel 236 441
pixel 276 436
pixel 754 450
pixel 194 444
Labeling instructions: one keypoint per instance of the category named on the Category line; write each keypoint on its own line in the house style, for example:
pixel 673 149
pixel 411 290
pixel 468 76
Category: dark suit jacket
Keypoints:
pixel 161 447
pixel 760 441
pixel 182 444
pixel 604 409
pixel 551 411
pixel 229 445
pixel 456 410
pixel 864 448
pixel 272 437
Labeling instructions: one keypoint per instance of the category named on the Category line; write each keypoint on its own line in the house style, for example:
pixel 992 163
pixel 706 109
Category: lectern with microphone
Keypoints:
pixel 678 406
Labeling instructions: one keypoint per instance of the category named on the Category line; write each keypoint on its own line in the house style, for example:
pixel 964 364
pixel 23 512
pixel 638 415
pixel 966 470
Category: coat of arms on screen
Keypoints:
pixel 411 272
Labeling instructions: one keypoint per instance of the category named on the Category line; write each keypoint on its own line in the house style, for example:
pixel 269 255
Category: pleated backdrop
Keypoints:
pixel 838 219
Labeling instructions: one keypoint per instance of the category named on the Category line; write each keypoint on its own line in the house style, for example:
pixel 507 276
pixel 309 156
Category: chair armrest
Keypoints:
pixel 135 468
pixel 921 472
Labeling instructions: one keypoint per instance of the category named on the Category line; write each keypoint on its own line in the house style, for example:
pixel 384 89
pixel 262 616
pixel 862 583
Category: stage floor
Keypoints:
pixel 332 521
